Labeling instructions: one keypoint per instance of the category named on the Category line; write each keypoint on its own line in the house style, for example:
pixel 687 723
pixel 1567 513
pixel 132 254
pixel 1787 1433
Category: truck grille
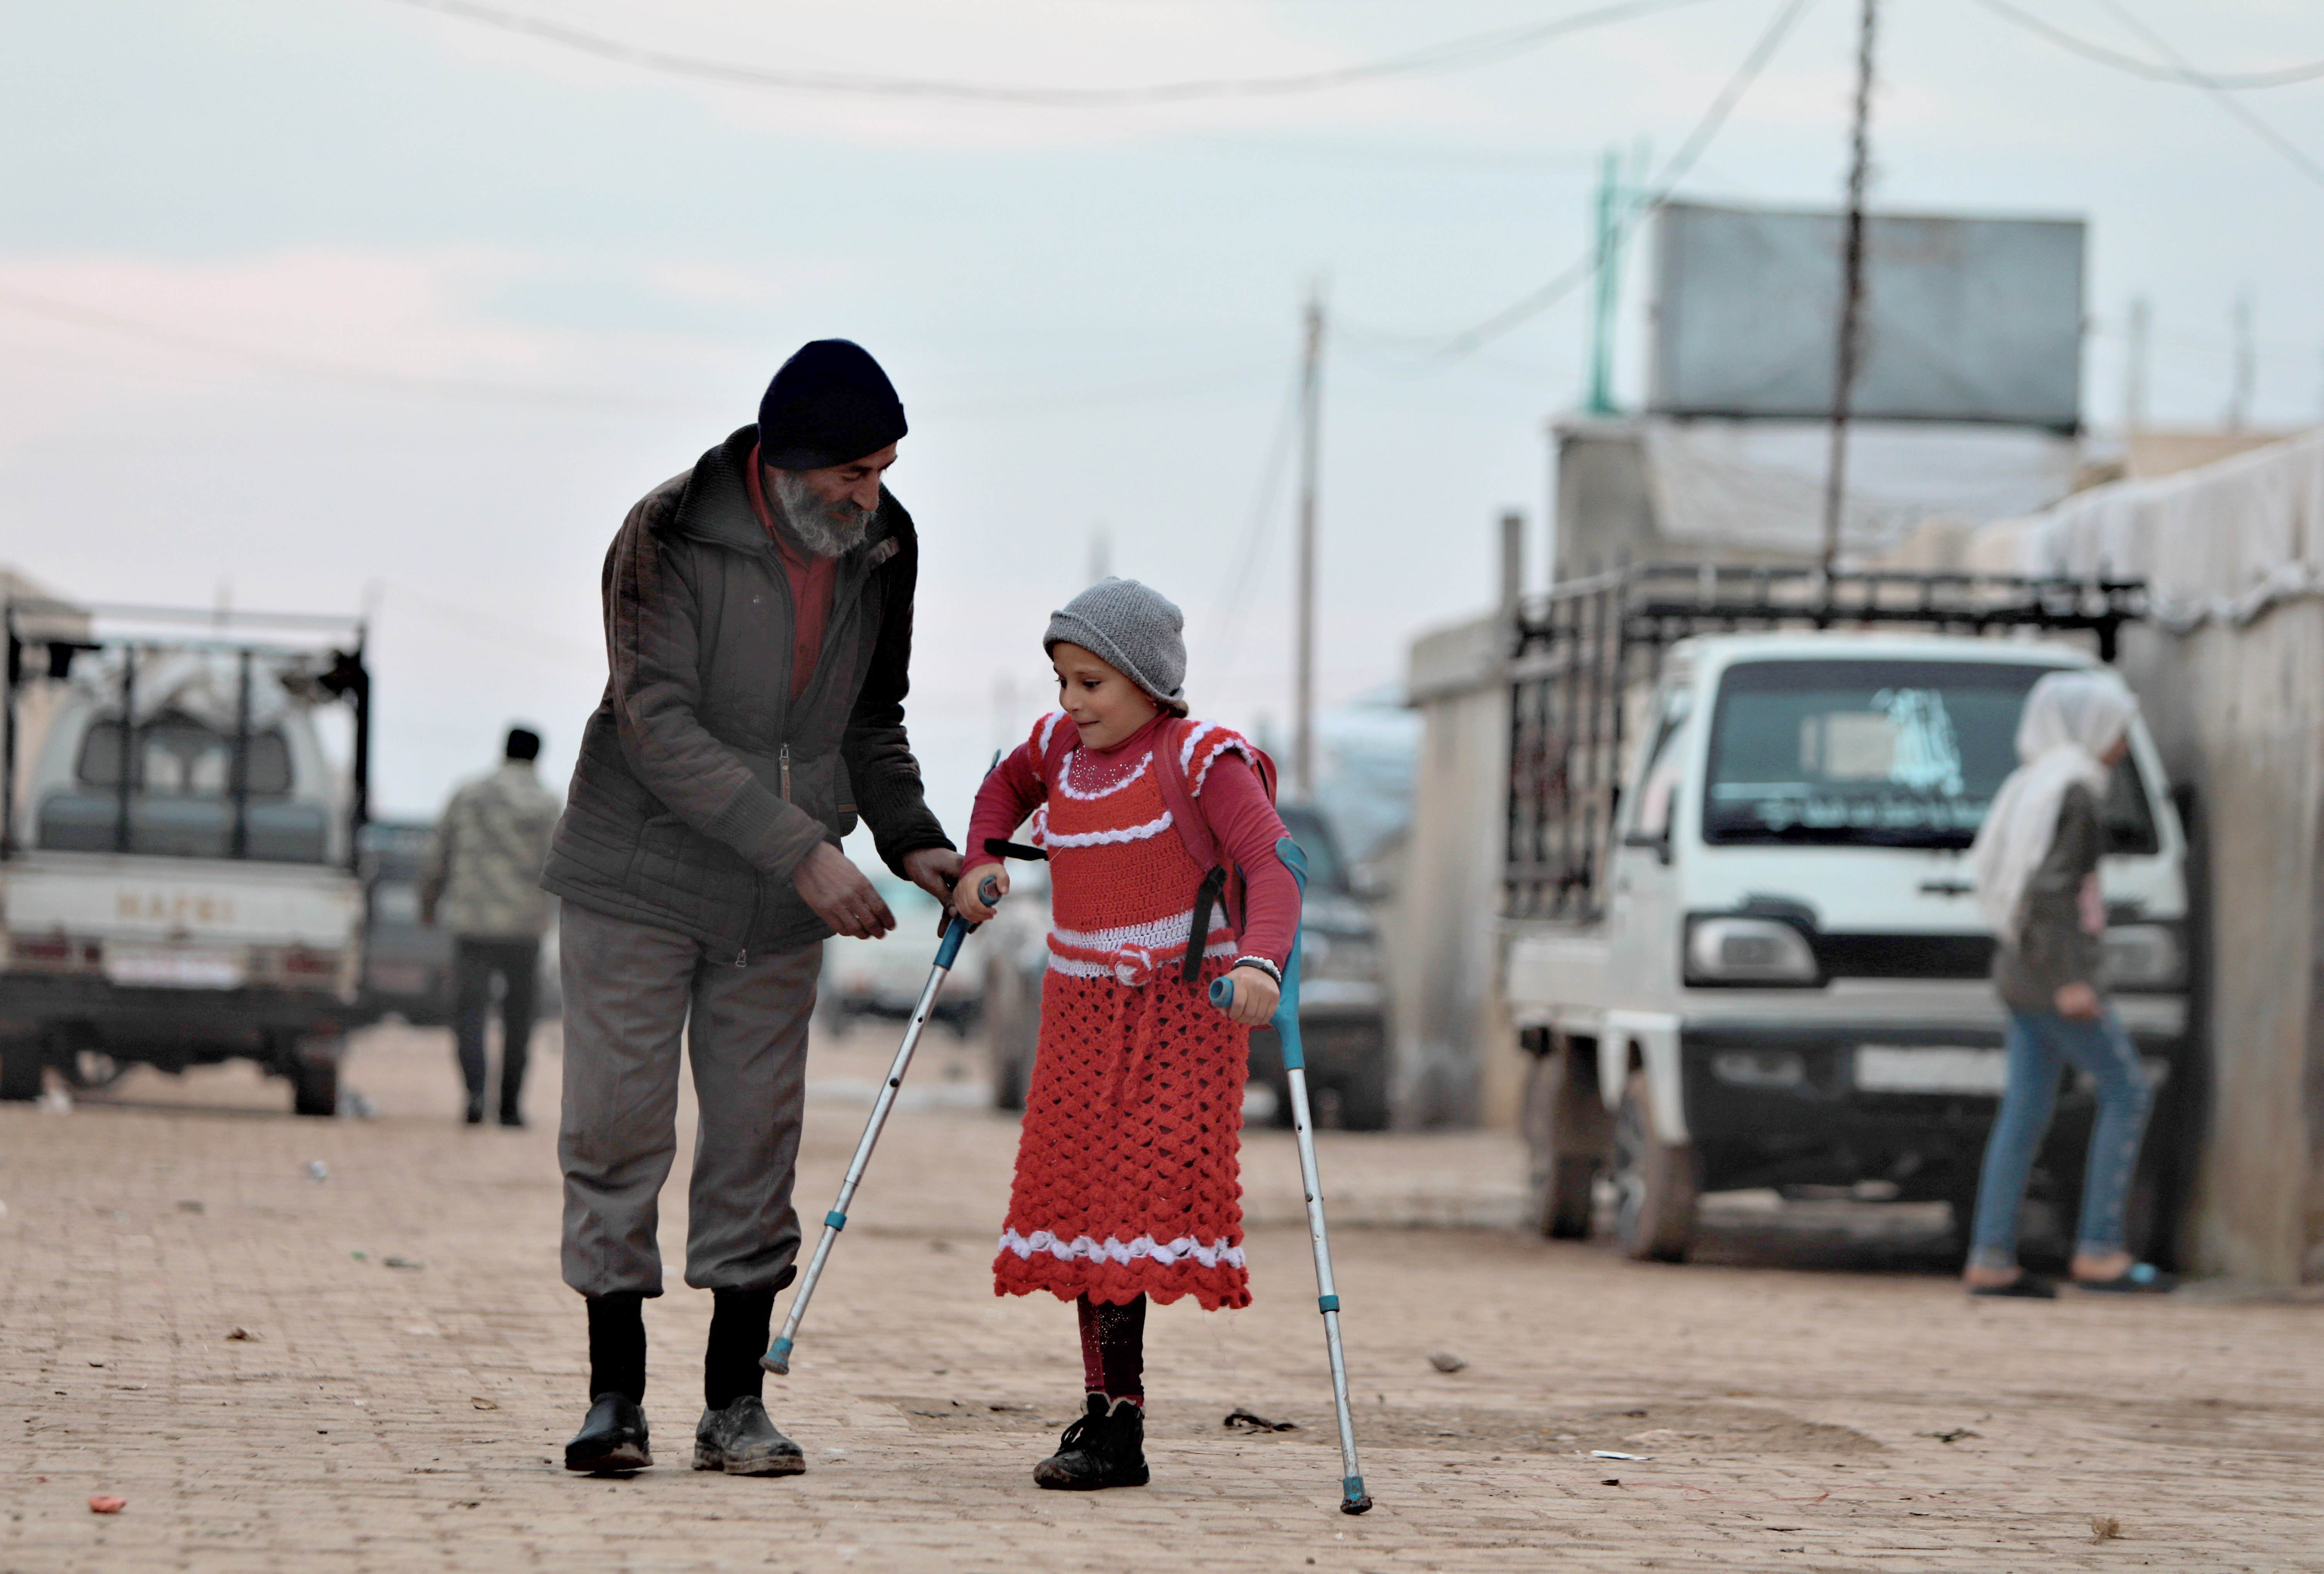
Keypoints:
pixel 1904 956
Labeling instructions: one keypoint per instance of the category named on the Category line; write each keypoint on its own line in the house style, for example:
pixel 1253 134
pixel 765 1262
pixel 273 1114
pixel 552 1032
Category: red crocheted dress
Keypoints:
pixel 1127 1178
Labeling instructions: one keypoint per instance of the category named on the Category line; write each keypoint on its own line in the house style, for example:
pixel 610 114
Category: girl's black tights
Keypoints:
pixel 1113 1349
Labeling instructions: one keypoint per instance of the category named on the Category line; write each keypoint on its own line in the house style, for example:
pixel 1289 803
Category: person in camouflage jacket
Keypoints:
pixel 482 881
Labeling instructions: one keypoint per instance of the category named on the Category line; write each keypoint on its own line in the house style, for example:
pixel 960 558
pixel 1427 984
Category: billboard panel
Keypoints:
pixel 1965 319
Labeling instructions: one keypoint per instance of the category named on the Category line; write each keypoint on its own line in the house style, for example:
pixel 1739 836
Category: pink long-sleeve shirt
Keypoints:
pixel 1234 805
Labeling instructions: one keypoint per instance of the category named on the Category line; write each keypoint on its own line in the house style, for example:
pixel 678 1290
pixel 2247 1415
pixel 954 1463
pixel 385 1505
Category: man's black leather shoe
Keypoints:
pixel 1105 1447
pixel 741 1440
pixel 613 1439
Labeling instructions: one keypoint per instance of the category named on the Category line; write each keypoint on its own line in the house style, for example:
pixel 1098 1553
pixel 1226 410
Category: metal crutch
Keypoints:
pixel 777 1358
pixel 1285 1023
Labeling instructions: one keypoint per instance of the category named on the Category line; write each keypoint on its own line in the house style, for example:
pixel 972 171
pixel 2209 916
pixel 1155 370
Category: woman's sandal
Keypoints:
pixel 2024 1287
pixel 2138 1279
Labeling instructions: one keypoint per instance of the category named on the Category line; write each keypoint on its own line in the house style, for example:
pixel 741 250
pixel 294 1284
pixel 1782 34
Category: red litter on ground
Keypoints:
pixel 102 1505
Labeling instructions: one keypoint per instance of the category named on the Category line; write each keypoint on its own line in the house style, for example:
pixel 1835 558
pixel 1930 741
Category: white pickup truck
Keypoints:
pixel 177 869
pixel 1741 942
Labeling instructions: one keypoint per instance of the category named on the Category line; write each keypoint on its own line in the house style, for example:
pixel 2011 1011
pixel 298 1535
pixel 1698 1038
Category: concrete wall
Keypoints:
pixel 2239 713
pixel 1455 1053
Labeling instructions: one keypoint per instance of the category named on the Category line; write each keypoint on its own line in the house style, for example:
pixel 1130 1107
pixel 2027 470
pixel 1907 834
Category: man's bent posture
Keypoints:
pixel 758 627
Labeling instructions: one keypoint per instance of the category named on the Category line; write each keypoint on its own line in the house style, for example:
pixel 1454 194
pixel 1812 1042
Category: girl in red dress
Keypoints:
pixel 1127 1182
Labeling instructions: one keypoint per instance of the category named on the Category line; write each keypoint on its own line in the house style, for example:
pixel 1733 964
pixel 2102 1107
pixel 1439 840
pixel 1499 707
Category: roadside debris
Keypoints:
pixel 103 1504
pixel 1954 1436
pixel 1445 1360
pixel 2105 1527
pixel 1241 1420
pixel 354 1106
pixel 402 1262
pixel 239 1333
pixel 484 1404
pixel 317 1170
pixel 1610 1454
pixel 189 1205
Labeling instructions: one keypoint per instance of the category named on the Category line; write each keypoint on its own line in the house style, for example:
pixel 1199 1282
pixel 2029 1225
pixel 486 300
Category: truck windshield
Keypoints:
pixel 1890 753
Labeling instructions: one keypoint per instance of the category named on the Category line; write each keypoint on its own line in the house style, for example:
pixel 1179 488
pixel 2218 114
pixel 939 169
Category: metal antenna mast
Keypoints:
pixel 1311 420
pixel 1851 299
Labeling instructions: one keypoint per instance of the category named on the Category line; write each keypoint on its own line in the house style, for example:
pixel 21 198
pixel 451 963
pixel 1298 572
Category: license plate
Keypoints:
pixel 173 970
pixel 1931 1068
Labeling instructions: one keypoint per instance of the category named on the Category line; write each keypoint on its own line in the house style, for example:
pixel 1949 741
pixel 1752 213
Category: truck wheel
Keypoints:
pixel 1363 1092
pixel 21 1060
pixel 313 1067
pixel 1655 1183
pixel 1565 1130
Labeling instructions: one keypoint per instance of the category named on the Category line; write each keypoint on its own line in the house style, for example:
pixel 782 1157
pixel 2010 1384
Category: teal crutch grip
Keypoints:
pixel 835 1218
pixel 948 952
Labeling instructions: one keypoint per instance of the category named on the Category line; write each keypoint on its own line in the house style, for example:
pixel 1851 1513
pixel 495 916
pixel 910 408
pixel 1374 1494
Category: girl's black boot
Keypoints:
pixel 1105 1447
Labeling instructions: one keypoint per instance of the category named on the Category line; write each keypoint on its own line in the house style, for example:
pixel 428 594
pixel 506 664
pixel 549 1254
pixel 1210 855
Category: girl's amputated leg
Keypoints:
pixel 2028 1098
pixel 1113 1349
pixel 2104 1049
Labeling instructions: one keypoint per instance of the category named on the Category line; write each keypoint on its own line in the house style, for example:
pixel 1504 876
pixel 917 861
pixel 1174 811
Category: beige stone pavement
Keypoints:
pixel 1814 1396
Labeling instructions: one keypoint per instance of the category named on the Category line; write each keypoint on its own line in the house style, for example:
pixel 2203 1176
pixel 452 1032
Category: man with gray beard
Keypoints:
pixel 758 629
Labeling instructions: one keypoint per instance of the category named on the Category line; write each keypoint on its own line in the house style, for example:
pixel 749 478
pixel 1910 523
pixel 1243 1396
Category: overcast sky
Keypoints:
pixel 318 303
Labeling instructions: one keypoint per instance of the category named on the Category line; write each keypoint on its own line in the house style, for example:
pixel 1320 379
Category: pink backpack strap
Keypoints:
pixel 1171 758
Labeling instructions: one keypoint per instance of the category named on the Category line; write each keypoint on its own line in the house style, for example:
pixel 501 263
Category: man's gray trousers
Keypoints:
pixel 631 989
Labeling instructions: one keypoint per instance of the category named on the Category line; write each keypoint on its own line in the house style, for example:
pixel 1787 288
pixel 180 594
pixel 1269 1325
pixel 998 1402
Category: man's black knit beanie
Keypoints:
pixel 829 405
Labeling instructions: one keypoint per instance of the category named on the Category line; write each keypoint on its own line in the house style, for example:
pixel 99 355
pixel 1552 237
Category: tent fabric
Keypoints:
pixel 2220 544
pixel 1760 485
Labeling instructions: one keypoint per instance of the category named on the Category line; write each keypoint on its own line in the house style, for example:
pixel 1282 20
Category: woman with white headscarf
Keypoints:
pixel 2035 861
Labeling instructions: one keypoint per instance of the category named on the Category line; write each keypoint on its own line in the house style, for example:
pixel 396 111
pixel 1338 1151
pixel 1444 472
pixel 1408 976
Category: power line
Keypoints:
pixel 1454 54
pixel 1697 143
pixel 2223 98
pixel 38 305
pixel 2180 72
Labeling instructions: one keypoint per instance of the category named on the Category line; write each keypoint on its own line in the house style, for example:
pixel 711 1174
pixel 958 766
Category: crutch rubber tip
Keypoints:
pixel 1356 1501
pixel 778 1359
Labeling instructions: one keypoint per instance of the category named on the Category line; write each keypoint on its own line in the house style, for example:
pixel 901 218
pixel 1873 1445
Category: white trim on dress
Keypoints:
pixel 1111 1250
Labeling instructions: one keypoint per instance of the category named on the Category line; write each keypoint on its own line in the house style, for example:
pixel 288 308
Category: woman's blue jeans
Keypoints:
pixel 2041 1045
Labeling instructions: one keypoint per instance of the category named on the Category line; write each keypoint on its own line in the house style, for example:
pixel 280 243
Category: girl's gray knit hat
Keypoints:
pixel 1137 629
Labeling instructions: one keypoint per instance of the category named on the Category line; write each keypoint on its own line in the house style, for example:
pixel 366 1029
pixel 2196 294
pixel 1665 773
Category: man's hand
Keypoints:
pixel 933 870
pixel 1255 996
pixel 968 897
pixel 2078 1002
pixel 840 895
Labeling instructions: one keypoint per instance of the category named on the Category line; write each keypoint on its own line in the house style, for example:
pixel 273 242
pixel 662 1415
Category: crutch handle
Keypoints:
pixel 988 890
pixel 1222 993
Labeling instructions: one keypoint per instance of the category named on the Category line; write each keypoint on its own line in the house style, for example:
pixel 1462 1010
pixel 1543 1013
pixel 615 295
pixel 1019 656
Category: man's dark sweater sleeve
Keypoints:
pixel 653 639
pixel 880 764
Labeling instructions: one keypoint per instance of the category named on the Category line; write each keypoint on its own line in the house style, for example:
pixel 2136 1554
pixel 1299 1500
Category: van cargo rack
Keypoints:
pixel 1579 653
pixel 45 636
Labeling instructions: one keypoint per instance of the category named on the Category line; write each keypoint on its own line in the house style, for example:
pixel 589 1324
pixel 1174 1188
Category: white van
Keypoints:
pixel 178 877
pixel 1781 979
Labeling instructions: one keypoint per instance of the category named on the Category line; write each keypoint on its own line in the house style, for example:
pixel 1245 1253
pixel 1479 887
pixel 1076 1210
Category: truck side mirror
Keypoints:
pixel 1659 842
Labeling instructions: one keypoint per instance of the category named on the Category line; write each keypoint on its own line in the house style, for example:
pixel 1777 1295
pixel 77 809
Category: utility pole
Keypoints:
pixel 1851 301
pixel 1604 287
pixel 1311 421
pixel 2239 401
pixel 2134 377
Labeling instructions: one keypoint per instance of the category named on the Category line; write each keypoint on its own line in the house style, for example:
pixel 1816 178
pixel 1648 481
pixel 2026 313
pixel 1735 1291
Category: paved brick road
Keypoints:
pixel 384 1417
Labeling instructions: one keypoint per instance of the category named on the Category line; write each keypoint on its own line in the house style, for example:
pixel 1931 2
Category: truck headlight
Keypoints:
pixel 1729 949
pixel 2144 956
